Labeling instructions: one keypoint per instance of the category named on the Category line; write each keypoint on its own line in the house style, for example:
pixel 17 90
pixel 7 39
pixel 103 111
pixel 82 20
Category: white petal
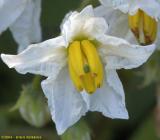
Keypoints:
pixel 109 99
pixel 95 27
pixel 122 5
pixel 1 3
pixel 158 37
pixel 130 37
pixel 10 11
pixel 26 29
pixel 151 7
pixel 73 23
pixel 119 28
pixel 118 53
pixel 65 103
pixel 45 58
pixel 101 10
pixel 86 12
pixel 83 24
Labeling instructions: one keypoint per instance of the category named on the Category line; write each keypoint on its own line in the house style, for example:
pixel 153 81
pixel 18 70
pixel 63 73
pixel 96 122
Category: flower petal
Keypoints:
pixel 86 12
pixel 95 27
pixel 158 37
pixel 122 5
pixel 118 53
pixel 1 3
pixel 120 27
pixel 10 11
pixel 151 7
pixel 65 103
pixel 83 24
pixel 26 29
pixel 45 58
pixel 109 99
pixel 73 23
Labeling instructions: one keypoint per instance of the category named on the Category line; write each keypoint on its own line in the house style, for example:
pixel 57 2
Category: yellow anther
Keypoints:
pixel 85 67
pixel 75 78
pixel 134 23
pixel 150 28
pixel 76 58
pixel 144 27
pixel 88 83
pixel 99 77
pixel 92 57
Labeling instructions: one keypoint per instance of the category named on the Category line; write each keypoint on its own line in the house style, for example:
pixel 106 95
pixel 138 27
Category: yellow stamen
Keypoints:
pixel 100 76
pixel 76 80
pixel 76 58
pixel 88 83
pixel 134 23
pixel 144 27
pixel 92 56
pixel 150 28
pixel 85 67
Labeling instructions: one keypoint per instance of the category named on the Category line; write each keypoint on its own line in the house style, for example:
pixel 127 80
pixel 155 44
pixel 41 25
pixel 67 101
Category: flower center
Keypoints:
pixel 144 27
pixel 85 67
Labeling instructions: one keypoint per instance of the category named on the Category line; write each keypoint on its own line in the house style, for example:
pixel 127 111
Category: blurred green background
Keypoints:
pixel 140 100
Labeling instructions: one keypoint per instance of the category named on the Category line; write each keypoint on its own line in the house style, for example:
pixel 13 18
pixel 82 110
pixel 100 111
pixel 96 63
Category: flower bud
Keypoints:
pixel 32 106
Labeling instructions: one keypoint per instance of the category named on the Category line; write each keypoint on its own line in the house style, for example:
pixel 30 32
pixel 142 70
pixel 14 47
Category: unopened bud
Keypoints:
pixel 32 106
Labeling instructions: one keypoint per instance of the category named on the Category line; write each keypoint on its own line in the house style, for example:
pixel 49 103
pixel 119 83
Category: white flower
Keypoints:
pixel 151 7
pixel 139 16
pixel 22 18
pixel 83 59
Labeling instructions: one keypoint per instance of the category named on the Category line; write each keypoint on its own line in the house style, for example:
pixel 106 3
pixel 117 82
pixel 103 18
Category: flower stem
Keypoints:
pixel 36 82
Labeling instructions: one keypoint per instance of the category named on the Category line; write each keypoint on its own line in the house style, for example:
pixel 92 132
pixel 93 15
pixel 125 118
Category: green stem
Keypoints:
pixel 36 82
